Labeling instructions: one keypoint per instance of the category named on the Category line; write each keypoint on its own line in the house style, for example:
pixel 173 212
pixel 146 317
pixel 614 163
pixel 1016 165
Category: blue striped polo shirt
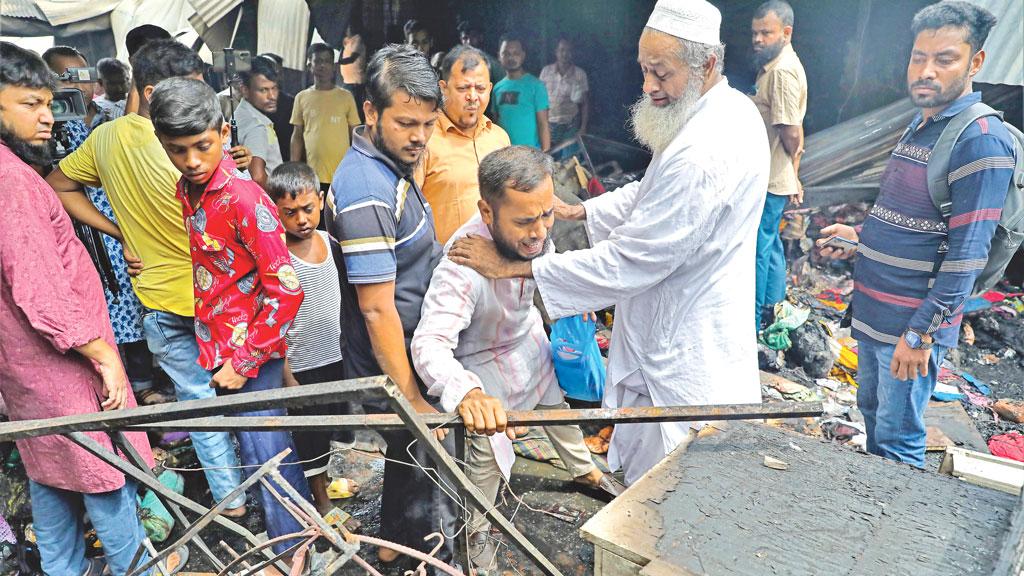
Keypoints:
pixel 915 269
pixel 386 231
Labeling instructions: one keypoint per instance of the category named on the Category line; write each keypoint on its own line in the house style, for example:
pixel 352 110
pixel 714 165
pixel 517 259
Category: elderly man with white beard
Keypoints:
pixel 674 253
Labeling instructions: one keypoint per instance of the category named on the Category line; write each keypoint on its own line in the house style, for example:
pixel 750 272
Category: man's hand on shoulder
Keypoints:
pixel 564 211
pixel 481 255
pixel 483 414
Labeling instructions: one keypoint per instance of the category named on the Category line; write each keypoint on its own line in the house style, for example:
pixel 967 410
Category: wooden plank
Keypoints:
pixel 1011 553
pixel 516 417
pixel 952 419
pixel 608 563
pixel 984 470
pixel 360 388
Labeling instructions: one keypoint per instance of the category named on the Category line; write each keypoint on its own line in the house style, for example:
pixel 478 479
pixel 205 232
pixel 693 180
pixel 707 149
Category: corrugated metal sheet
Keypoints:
pixel 21 9
pixel 210 11
pixel 1004 62
pixel 281 29
pixel 61 12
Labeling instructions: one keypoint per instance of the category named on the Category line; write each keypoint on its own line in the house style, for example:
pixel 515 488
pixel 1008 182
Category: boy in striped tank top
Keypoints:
pixel 314 339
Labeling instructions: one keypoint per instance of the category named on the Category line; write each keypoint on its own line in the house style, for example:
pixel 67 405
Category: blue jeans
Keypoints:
pixel 770 276
pixel 561 133
pixel 57 521
pixel 258 447
pixel 172 340
pixel 894 409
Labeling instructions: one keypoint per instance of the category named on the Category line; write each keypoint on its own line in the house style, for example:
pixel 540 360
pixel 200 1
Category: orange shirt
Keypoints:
pixel 447 174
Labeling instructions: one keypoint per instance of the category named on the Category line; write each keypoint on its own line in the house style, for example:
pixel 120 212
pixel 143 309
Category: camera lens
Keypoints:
pixel 60 107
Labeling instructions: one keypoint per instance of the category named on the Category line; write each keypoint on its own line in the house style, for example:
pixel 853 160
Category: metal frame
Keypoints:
pixel 195 415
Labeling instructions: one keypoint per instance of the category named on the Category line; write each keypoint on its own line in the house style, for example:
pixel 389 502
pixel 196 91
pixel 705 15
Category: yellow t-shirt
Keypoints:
pixel 448 172
pixel 326 118
pixel 125 157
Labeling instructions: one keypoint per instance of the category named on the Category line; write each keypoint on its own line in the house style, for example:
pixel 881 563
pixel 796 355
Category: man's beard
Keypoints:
pixel 939 97
pixel 656 127
pixel 34 154
pixel 768 53
pixel 508 249
pixel 406 168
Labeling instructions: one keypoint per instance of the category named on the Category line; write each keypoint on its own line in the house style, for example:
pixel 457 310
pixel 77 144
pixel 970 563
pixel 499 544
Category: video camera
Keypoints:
pixel 68 103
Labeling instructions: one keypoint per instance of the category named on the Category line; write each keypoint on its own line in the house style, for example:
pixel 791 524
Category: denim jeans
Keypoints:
pixel 561 133
pixel 138 364
pixel 57 521
pixel 770 276
pixel 894 409
pixel 258 447
pixel 172 340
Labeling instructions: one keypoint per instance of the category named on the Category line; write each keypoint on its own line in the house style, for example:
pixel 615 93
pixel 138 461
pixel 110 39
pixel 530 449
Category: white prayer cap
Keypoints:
pixel 693 20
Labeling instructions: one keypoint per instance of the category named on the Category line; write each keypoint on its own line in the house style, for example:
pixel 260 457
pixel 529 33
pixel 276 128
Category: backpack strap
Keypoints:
pixel 938 160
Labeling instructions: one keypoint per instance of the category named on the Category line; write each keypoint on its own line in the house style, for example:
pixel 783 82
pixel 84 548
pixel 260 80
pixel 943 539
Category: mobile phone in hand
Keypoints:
pixel 836 241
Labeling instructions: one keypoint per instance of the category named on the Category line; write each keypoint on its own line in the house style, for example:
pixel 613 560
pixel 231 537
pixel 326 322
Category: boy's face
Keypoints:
pixel 196 157
pixel 301 215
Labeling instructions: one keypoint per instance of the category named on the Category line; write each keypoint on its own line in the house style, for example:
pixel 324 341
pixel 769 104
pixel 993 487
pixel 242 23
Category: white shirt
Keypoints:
pixel 675 254
pixel 565 92
pixel 480 333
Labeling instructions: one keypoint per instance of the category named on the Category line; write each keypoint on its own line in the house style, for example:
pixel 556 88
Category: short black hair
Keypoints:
pixel 159 60
pixel 261 66
pixel 184 107
pixel 470 57
pixel 780 8
pixel 413 26
pixel 111 67
pixel 976 21
pixel 512 37
pixel 138 37
pixel 468 27
pixel 521 168
pixel 318 47
pixel 275 57
pixel 400 67
pixel 291 179
pixel 54 52
pixel 20 67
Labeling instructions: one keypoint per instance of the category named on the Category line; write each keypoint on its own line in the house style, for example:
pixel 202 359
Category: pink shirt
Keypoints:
pixel 51 301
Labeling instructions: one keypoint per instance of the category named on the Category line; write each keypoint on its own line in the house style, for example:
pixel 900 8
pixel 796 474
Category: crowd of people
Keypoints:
pixel 383 223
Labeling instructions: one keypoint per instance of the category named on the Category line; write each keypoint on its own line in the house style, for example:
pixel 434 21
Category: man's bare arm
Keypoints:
pixel 76 203
pixel 793 142
pixel 298 145
pixel 544 130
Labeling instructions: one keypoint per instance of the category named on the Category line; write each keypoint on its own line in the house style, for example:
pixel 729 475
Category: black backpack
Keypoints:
pixel 1010 231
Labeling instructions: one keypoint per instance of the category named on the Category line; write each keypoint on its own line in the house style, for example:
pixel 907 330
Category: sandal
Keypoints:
pixel 152 396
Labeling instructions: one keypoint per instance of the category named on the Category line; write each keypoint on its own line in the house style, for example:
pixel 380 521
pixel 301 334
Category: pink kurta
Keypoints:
pixel 51 301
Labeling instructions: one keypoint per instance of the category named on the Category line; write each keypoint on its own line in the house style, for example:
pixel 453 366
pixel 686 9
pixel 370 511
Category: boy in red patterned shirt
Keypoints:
pixel 246 291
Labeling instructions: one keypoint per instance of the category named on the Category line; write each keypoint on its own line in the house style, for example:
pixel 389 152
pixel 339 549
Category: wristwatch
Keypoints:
pixel 917 341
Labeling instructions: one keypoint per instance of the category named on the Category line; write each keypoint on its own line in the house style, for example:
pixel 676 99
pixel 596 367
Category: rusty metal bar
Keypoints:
pixel 147 480
pixel 451 472
pixel 209 516
pixel 133 456
pixel 515 417
pixel 357 389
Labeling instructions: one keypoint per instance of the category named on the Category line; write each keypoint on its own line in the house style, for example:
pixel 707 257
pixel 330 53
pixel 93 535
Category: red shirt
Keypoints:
pixel 247 292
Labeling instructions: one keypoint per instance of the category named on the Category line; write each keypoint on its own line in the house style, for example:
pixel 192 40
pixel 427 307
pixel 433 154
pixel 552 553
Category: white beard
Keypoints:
pixel 656 127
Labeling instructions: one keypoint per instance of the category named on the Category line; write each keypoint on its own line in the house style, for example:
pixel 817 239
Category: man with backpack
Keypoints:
pixel 943 223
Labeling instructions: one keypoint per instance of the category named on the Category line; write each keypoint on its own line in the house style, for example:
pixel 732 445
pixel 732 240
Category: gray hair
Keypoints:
pixel 781 9
pixel 400 67
pixel 468 55
pixel 184 107
pixel 291 179
pixel 521 168
pixel 696 55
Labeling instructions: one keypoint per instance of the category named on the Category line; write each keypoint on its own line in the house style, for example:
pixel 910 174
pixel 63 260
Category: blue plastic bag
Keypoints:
pixel 578 363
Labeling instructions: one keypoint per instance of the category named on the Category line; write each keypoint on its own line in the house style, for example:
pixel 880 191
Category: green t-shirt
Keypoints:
pixel 517 103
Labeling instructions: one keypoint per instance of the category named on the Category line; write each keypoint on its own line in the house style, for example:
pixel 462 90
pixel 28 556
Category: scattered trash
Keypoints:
pixel 787 318
pixel 841 430
pixel 1009 445
pixel 1012 410
pixel 989 359
pixel 564 514
pixel 967 334
pixel 598 444
pixel 811 349
pixel 947 393
pixel 341 488
pixel 775 463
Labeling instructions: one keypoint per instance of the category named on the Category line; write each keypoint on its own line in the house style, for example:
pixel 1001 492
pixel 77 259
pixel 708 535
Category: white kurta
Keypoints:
pixel 675 254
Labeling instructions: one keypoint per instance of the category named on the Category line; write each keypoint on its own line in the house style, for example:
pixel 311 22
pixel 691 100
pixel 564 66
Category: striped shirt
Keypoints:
pixel 386 230
pixel 915 269
pixel 314 340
